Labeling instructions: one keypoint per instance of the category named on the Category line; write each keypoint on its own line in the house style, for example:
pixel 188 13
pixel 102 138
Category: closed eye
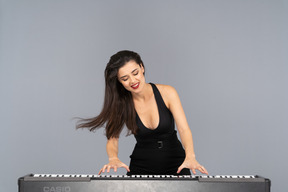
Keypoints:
pixel 126 77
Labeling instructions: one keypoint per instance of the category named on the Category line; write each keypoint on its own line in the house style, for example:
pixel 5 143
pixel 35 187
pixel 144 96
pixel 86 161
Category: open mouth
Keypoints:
pixel 135 86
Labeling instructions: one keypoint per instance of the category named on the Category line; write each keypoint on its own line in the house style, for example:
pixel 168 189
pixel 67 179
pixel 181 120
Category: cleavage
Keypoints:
pixel 148 113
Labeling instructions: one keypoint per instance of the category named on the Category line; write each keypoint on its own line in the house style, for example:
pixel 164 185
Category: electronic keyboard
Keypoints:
pixel 141 183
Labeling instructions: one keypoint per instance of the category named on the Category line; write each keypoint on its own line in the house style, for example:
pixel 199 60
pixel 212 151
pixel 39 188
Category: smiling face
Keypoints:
pixel 131 76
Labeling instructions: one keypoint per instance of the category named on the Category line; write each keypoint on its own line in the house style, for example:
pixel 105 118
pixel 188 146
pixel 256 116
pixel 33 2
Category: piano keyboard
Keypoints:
pixel 124 183
pixel 121 177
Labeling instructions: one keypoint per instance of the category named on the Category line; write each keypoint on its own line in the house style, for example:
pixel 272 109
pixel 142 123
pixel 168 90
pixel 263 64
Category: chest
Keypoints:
pixel 148 113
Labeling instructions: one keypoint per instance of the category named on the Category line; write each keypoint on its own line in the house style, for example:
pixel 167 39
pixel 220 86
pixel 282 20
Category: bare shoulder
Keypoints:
pixel 166 89
pixel 168 93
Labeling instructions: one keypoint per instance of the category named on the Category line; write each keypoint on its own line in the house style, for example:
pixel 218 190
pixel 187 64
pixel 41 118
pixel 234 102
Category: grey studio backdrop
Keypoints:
pixel 227 59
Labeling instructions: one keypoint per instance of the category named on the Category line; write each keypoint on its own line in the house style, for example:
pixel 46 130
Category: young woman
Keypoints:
pixel 150 112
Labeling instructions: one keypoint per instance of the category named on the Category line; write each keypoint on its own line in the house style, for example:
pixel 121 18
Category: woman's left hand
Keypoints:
pixel 192 164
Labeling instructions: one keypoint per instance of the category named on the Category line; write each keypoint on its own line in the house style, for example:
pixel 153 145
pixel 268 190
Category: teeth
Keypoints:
pixel 135 85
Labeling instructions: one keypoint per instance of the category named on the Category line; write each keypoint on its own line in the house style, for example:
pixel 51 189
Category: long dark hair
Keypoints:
pixel 118 108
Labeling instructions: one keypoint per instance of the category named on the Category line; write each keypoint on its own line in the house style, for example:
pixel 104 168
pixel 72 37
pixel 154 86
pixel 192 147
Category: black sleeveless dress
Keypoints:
pixel 158 151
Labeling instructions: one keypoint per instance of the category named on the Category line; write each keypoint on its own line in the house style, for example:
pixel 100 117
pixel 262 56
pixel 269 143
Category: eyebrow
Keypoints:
pixel 126 75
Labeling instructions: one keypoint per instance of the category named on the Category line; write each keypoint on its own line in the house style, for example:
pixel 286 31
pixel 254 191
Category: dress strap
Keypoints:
pixel 158 97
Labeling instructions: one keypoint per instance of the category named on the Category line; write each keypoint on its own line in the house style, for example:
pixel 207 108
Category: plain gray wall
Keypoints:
pixel 227 59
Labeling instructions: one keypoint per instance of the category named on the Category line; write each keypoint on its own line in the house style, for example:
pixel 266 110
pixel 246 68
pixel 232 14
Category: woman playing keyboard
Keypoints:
pixel 150 112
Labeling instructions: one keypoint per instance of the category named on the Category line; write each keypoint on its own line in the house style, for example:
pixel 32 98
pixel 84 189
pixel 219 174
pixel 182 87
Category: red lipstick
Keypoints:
pixel 135 86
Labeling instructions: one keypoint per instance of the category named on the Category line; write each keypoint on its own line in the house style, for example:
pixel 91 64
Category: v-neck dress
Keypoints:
pixel 157 151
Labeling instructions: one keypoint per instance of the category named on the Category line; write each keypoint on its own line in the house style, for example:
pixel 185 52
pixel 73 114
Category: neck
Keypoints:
pixel 145 94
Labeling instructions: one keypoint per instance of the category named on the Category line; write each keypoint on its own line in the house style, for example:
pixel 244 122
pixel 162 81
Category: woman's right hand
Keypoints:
pixel 114 163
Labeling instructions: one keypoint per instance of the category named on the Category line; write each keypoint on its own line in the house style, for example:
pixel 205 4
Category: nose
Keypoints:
pixel 133 79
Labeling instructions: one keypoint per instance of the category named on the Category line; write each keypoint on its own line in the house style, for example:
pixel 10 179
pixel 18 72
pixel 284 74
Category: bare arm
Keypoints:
pixel 175 106
pixel 112 152
pixel 112 148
